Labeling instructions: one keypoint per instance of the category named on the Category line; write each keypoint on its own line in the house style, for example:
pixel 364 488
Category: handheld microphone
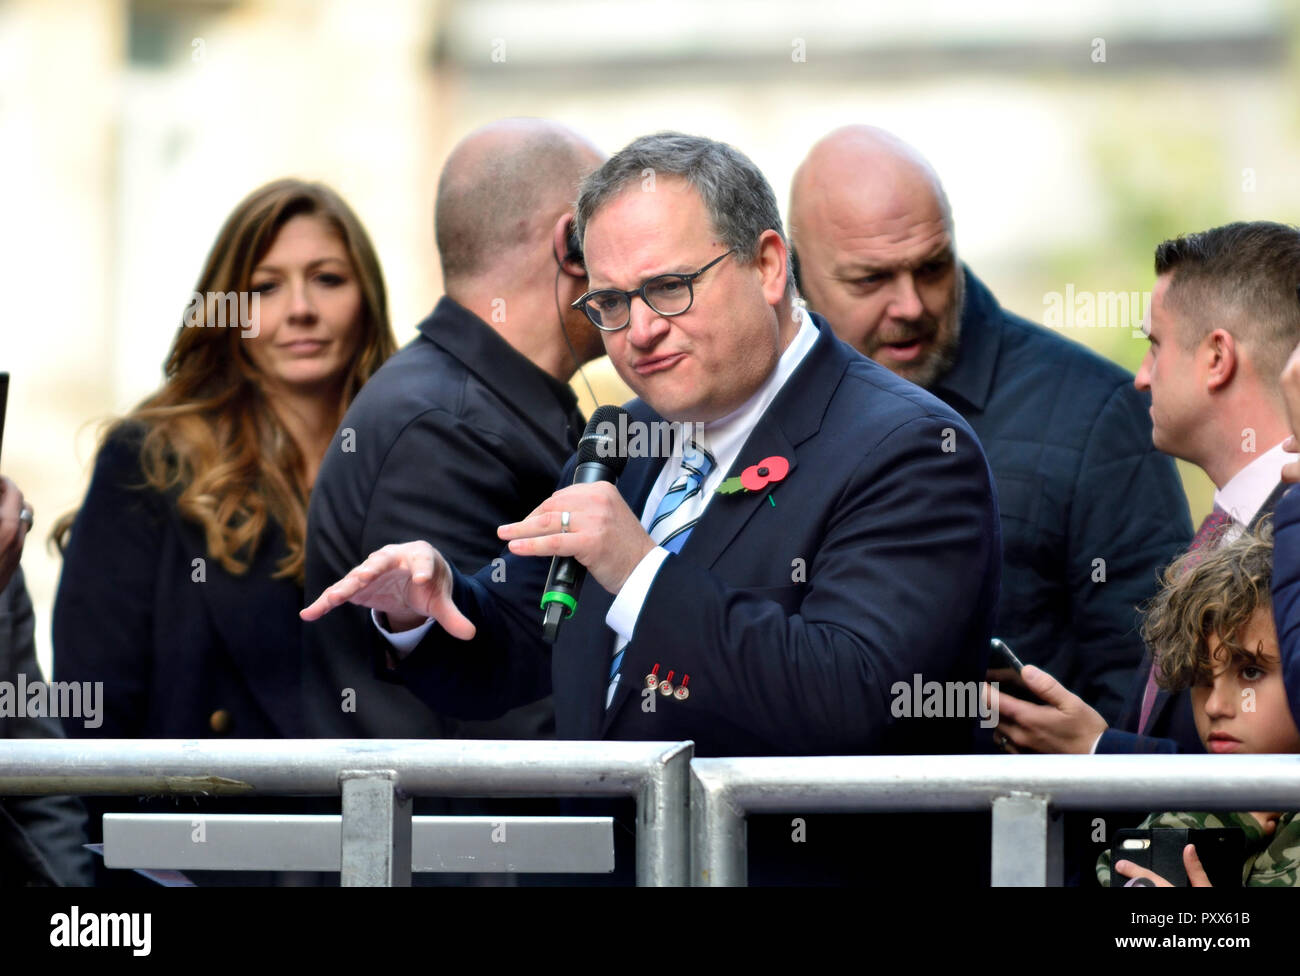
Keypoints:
pixel 599 459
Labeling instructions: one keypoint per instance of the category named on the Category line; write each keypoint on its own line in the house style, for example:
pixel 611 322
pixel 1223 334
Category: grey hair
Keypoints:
pixel 739 199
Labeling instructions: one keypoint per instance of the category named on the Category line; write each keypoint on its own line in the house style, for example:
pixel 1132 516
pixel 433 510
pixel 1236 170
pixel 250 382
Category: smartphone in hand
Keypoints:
pixel 1222 852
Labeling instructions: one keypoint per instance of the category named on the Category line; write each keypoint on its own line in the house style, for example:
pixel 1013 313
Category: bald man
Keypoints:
pixel 1090 510
pixel 468 426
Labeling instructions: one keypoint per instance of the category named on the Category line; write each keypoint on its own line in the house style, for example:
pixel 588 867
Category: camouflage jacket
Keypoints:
pixel 1271 861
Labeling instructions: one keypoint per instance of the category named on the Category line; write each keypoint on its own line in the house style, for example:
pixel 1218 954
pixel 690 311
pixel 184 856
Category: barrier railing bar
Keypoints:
pixel 725 791
pixel 654 773
pixel 312 842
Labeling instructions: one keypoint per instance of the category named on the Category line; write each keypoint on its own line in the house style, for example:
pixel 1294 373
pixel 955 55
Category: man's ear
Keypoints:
pixel 1220 350
pixel 772 265
pixel 567 247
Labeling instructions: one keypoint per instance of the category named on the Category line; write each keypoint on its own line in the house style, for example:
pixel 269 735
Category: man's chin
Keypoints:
pixel 922 370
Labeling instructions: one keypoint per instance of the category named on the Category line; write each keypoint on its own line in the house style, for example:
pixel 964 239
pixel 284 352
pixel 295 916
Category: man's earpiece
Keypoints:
pixel 794 266
pixel 564 236
pixel 574 246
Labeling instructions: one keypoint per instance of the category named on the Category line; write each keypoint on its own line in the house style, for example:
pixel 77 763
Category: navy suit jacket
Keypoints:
pixel 1171 727
pixel 1286 593
pixel 874 563
pixel 1069 441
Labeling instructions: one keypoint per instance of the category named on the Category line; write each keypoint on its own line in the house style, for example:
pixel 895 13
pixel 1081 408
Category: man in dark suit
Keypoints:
pixel 796 617
pixel 1090 510
pixel 41 837
pixel 1223 319
pixel 465 428
pixel 1286 540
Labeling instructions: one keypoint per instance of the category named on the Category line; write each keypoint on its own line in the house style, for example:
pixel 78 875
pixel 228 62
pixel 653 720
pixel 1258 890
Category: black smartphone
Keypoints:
pixel 1002 657
pixel 1222 852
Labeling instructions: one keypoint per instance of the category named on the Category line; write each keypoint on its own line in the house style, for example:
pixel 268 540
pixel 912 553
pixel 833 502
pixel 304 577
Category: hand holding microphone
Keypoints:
pixel 587 527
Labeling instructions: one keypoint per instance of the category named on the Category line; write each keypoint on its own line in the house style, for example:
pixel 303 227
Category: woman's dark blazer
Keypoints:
pixel 184 649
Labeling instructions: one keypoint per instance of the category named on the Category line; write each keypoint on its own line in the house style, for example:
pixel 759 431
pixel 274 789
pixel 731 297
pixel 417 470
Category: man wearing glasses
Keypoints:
pixel 789 606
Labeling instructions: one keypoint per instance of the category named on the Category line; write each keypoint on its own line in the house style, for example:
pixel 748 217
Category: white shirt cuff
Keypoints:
pixel 626 608
pixel 1093 750
pixel 404 642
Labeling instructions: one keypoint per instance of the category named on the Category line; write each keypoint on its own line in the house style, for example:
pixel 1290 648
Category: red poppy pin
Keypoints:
pixel 757 477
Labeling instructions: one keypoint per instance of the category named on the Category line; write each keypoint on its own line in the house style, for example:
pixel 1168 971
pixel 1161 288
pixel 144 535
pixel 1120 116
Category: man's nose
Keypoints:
pixel 1143 378
pixel 906 301
pixel 646 326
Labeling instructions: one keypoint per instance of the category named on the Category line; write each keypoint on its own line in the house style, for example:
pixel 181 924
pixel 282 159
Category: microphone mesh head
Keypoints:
pixel 600 441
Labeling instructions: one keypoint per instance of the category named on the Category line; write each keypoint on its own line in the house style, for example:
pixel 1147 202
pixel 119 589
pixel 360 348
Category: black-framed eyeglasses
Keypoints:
pixel 610 309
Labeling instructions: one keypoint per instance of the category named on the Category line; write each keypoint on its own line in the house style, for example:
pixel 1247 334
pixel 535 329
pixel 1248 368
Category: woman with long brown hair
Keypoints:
pixel 183 568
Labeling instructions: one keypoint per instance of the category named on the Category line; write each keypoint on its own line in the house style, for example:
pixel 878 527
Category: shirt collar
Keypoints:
pixel 485 353
pixel 1248 489
pixel 971 376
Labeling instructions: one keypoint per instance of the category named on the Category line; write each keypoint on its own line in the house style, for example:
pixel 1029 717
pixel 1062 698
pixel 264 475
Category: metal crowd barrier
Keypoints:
pixel 377 779
pixel 1026 794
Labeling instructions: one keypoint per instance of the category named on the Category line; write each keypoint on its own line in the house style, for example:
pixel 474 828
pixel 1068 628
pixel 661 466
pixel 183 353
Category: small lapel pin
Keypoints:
pixel 652 679
pixel 666 686
pixel 681 694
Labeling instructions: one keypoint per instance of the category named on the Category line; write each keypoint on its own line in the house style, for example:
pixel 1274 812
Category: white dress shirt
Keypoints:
pixel 1244 495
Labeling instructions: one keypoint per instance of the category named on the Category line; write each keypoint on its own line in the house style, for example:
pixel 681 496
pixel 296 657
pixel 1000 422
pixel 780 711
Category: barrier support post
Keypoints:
pixel 1027 842
pixel 663 821
pixel 376 830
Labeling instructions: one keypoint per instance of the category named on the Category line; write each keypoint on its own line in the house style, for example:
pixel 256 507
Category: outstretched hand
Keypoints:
pixel 410 582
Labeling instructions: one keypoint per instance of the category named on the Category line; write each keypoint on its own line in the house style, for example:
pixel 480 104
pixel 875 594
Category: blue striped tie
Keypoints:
pixel 664 529
pixel 673 520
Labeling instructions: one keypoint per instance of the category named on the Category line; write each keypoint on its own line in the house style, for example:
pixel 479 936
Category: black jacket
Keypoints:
pixel 185 649
pixel 456 434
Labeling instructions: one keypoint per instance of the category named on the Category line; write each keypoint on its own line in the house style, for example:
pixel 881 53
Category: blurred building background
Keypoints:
pixel 1071 137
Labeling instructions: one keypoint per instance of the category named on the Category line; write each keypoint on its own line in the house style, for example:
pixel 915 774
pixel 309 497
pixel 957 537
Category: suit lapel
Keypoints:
pixel 726 515
pixel 262 639
pixel 1270 503
pixel 1158 706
